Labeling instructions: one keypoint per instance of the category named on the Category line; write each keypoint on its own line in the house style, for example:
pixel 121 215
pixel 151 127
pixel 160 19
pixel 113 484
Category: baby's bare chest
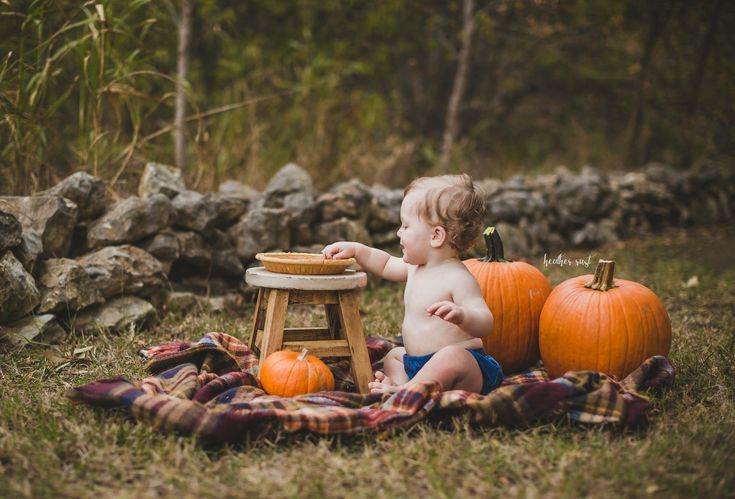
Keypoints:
pixel 422 291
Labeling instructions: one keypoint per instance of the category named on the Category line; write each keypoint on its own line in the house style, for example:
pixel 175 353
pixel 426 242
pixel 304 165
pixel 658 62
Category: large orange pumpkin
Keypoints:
pixel 515 293
pixel 604 324
pixel 287 373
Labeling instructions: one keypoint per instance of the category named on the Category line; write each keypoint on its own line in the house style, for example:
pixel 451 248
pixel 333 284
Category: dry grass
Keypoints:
pixel 49 447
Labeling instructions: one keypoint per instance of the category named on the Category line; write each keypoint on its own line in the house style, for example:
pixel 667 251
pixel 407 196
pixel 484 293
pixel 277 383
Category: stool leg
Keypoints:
pixel 349 312
pixel 257 318
pixel 331 310
pixel 275 320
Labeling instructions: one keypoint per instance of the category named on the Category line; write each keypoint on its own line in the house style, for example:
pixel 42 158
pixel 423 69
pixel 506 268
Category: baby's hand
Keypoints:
pixel 340 250
pixel 448 311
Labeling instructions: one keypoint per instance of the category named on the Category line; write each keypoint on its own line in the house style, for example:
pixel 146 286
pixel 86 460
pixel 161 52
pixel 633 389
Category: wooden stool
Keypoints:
pixel 340 295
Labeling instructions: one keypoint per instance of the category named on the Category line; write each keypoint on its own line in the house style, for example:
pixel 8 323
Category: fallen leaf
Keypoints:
pixel 79 351
pixel 693 282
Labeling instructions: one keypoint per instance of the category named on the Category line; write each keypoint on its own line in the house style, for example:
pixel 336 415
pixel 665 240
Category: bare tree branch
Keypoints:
pixel 451 130
pixel 697 79
pixel 182 66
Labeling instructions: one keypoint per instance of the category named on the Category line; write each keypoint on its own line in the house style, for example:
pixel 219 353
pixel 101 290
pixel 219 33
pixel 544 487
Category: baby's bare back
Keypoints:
pixel 424 334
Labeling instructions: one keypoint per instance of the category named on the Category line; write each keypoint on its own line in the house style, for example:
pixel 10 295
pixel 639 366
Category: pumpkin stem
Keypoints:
pixel 604 274
pixel 494 246
pixel 302 355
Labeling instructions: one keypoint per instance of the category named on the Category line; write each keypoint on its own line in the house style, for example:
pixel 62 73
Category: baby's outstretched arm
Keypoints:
pixel 373 260
pixel 468 309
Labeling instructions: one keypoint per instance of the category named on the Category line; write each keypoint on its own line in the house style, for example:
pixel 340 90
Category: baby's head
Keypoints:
pixel 450 202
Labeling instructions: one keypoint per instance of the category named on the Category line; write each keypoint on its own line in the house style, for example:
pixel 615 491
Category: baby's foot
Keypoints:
pixel 382 384
pixel 380 377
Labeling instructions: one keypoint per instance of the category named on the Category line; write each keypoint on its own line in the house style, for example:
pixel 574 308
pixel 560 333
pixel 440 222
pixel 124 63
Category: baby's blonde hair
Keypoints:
pixel 453 202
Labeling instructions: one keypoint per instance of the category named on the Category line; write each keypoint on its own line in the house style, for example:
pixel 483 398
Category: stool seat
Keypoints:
pixel 350 279
pixel 339 295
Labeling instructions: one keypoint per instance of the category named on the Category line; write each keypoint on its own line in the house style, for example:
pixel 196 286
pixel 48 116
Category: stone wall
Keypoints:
pixel 69 257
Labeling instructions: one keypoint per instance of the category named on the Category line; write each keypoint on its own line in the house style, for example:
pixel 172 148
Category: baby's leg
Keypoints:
pixel 454 367
pixel 393 373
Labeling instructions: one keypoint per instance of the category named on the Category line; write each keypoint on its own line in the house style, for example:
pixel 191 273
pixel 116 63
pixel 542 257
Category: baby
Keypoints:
pixel 446 315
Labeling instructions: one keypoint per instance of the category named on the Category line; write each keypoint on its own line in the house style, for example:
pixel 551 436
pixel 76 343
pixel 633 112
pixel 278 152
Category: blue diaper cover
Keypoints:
pixel 492 373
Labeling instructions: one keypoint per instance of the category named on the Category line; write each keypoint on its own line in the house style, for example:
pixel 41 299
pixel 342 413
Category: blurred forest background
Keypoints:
pixel 380 90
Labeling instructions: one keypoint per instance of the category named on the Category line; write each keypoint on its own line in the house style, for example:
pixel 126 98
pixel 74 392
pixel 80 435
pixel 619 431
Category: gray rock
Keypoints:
pixel 10 231
pixel 34 328
pixel 79 240
pixel 509 206
pixel 47 222
pixel 260 230
pixel 555 242
pixel 164 246
pixel 18 292
pixel 194 250
pixel 343 229
pixel 291 190
pixel 87 191
pixel 299 212
pixel 642 203
pixel 385 239
pixel 117 315
pixel 228 209
pixel 515 241
pixel 331 207
pixel 724 200
pixel 237 190
pixel 537 230
pixel 225 261
pixel 160 179
pixel 305 235
pixel 194 211
pixel 310 248
pixel 230 303
pixel 517 182
pixel 712 196
pixel 130 221
pixel 595 234
pixel 488 187
pixel 356 192
pixel 29 250
pixel 663 174
pixel 290 178
pixel 124 269
pixel 300 208
pixel 711 175
pixel 65 286
pixel 705 210
pixel 607 232
pixel 586 197
pixel 349 199
pixel 206 285
pixel 540 182
pixel 183 302
pixel 385 209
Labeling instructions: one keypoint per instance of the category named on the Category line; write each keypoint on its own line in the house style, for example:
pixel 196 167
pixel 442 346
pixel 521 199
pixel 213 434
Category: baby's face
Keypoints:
pixel 414 233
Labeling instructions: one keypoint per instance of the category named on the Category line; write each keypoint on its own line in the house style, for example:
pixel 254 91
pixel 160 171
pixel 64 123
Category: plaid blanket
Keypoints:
pixel 210 388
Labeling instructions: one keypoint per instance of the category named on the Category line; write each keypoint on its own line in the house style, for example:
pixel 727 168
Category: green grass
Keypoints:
pixel 49 447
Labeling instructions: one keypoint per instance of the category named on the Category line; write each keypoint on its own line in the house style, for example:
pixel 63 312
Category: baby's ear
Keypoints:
pixel 438 236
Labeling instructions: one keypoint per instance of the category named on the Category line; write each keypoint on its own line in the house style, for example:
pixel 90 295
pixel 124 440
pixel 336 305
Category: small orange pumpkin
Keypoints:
pixel 515 293
pixel 288 373
pixel 603 324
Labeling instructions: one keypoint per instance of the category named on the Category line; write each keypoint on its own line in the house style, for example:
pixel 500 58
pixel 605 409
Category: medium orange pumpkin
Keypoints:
pixel 515 293
pixel 604 324
pixel 288 373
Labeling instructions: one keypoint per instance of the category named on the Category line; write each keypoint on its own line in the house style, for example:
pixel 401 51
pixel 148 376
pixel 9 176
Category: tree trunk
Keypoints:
pixel 693 101
pixel 657 17
pixel 451 129
pixel 182 67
